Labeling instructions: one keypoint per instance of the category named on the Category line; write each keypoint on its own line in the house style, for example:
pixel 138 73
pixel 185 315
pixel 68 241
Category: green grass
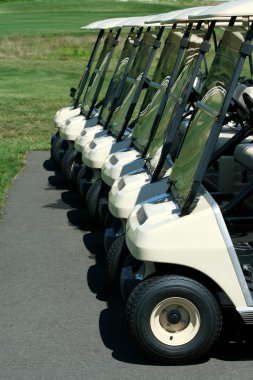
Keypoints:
pixel 66 17
pixel 42 53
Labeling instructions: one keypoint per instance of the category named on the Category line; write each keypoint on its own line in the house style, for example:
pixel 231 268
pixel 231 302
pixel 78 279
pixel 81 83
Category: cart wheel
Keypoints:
pixel 173 319
pixel 53 137
pixel 59 146
pixel 97 190
pixel 115 258
pixel 131 261
pixel 113 227
pixel 135 265
pixel 68 163
pixel 83 179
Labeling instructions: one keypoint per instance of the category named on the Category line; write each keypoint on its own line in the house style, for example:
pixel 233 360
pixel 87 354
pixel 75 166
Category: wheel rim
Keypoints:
pixel 175 321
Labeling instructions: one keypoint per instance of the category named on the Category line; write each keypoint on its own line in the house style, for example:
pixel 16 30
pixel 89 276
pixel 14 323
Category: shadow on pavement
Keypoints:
pixel 49 165
pixel 112 323
pixel 57 182
pixel 235 343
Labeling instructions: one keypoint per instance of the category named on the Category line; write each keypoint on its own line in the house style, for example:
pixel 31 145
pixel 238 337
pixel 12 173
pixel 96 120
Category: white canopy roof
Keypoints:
pixel 241 8
pixel 139 21
pixel 108 23
pixel 158 19
pixel 174 16
pixel 185 14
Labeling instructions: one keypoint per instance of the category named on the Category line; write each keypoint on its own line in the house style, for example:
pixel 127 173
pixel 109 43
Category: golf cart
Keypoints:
pixel 67 112
pixel 186 263
pixel 72 159
pixel 150 184
pixel 87 111
pixel 121 130
pixel 124 108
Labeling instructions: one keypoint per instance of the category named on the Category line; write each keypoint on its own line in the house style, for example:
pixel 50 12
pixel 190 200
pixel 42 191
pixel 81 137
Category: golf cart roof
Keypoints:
pixel 108 23
pixel 185 14
pixel 238 8
pixel 169 17
pixel 138 21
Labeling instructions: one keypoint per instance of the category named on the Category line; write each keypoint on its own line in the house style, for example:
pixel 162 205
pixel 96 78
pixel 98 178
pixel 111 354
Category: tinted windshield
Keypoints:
pixel 98 71
pixel 153 98
pixel 176 95
pixel 133 79
pixel 216 85
pixel 116 82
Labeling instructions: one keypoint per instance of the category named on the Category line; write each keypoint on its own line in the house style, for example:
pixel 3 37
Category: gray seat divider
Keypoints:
pixel 244 155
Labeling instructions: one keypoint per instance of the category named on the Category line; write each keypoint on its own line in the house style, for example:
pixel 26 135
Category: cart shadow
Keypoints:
pixel 70 198
pixel 49 165
pixel 235 343
pixel 112 323
pixel 57 182
pixel 234 351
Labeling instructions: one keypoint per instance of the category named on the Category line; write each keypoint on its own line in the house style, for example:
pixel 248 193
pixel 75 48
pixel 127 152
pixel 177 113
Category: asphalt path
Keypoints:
pixel 58 319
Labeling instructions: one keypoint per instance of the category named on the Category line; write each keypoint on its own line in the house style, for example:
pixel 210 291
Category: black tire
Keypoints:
pixel 173 319
pixel 69 163
pixel 59 146
pixel 131 261
pixel 83 179
pixel 135 265
pixel 115 259
pixel 114 225
pixel 53 137
pixel 98 189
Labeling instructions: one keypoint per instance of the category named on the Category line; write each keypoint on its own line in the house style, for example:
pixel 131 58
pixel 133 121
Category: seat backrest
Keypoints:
pixel 244 155
pixel 233 133
pixel 220 76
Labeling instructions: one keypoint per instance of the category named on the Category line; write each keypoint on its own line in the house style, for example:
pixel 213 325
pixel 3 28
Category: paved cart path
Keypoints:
pixel 57 318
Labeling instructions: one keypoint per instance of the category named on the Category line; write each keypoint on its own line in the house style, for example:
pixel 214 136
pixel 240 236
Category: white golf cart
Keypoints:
pixel 188 260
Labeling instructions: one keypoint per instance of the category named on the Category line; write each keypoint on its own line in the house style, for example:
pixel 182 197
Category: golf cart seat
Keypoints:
pixel 244 155
pixel 231 128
